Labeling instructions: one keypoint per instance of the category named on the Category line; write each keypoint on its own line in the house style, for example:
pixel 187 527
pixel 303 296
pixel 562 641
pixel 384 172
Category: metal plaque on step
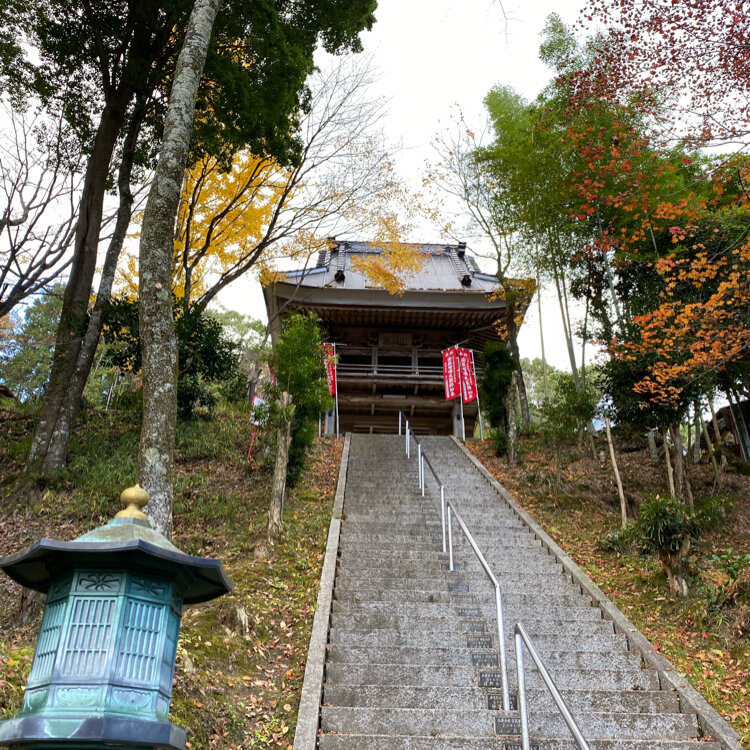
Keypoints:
pixel 484 660
pixel 490 679
pixel 462 588
pixel 508 746
pixel 478 641
pixel 473 626
pixel 507 725
pixel 468 612
pixel 447 566
pixel 495 702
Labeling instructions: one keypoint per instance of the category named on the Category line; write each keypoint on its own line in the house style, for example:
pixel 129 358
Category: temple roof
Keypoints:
pixel 445 268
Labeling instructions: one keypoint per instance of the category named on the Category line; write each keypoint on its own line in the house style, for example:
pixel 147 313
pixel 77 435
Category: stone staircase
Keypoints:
pixel 412 660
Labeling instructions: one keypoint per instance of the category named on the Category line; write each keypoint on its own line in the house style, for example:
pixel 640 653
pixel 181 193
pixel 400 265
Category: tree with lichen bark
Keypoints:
pixel 157 330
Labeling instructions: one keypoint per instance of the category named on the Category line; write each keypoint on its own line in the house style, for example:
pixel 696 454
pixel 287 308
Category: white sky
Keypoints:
pixel 435 55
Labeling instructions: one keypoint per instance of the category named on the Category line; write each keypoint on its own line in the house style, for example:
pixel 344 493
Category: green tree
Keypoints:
pixel 208 354
pixel 565 415
pixel 498 366
pixel 116 61
pixel 298 396
pixel 25 348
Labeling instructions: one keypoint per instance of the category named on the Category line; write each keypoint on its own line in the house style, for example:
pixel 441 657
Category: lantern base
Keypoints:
pixel 44 733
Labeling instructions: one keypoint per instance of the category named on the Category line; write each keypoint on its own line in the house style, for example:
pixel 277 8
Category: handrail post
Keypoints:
pixel 522 692
pixel 501 646
pixel 450 540
pixel 423 480
pixel 442 514
pixel 399 422
pixel 408 450
pixel 419 465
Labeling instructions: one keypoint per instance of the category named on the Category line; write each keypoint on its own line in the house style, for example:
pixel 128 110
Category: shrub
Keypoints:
pixel 297 362
pixel 713 511
pixel 206 354
pixel 498 366
pixel 666 526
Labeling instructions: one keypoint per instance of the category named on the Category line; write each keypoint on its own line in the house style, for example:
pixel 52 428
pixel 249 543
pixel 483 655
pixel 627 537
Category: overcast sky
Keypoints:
pixel 433 56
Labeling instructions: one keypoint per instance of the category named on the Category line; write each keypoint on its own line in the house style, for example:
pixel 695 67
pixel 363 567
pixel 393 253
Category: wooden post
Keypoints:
pixel 623 503
pixel 653 453
pixel 670 475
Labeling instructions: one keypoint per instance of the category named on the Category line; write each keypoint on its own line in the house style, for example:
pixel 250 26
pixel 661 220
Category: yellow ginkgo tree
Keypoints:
pixel 258 212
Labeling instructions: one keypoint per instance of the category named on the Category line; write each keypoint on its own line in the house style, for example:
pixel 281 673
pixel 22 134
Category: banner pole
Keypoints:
pixel 336 379
pixel 461 396
pixel 479 409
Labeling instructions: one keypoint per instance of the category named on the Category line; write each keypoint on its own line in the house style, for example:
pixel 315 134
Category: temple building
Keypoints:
pixel 389 346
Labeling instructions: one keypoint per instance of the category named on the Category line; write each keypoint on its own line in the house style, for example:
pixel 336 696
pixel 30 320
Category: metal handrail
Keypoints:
pixel 521 638
pixel 447 510
pixel 452 511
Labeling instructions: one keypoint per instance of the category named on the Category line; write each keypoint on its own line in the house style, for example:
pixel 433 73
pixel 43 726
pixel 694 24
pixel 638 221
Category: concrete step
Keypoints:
pixel 424 612
pixel 552 578
pixel 484 723
pixel 422 674
pixel 511 600
pixel 575 629
pixel 384 696
pixel 333 741
pixel 374 538
pixel 458 656
pixel 523 558
pixel 452 639
pixel 378 592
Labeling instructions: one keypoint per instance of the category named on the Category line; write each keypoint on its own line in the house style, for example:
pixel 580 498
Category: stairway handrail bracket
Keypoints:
pixel 521 637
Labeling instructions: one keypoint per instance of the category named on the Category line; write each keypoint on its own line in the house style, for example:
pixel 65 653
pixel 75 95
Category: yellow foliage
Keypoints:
pixel 222 218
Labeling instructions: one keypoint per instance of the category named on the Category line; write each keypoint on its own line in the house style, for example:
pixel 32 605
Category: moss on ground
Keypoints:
pixel 241 658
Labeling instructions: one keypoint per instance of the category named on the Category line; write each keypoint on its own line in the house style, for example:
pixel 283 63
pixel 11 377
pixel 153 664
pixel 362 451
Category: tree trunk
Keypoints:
pixel 73 318
pixel 157 330
pixel 566 330
pixel 620 492
pixel 670 474
pixel 57 449
pixel 684 490
pixel 674 567
pixel 510 323
pixel 717 431
pixel 698 419
pixel 541 336
pixel 510 408
pixel 711 452
pixel 653 453
pixel 283 438
pixel 739 422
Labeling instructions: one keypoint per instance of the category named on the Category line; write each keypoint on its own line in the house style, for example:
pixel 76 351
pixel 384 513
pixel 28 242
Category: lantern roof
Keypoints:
pixel 127 541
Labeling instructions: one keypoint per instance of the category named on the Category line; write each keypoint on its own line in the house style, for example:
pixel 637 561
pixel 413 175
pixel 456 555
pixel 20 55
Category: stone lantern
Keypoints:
pixel 104 661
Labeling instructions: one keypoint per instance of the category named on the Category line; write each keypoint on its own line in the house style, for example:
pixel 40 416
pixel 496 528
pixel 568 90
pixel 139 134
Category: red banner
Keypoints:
pixel 329 359
pixel 450 374
pixel 468 380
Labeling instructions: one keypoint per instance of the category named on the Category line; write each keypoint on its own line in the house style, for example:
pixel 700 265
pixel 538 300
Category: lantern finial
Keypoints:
pixel 133 499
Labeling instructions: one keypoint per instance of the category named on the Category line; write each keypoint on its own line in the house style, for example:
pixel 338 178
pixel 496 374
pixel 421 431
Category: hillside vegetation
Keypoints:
pixel 707 634
pixel 241 658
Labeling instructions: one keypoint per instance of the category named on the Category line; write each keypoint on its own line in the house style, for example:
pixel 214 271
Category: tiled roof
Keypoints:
pixel 445 268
